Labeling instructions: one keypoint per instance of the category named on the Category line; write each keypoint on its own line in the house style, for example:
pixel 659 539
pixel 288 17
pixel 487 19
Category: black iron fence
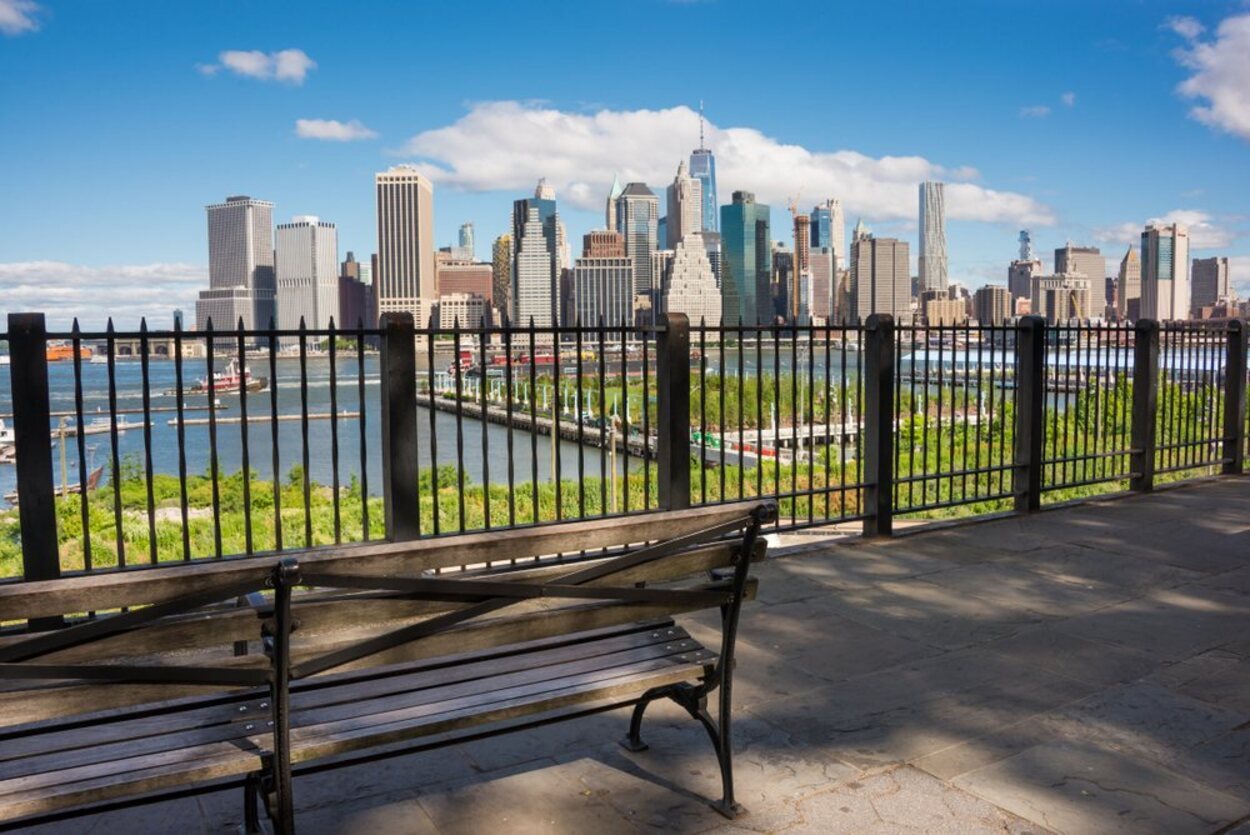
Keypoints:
pixel 218 443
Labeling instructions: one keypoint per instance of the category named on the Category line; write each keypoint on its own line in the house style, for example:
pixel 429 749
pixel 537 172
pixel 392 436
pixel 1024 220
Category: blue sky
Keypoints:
pixel 123 119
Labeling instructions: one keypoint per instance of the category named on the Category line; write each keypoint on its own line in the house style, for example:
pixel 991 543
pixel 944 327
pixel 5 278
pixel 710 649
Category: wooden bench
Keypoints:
pixel 243 672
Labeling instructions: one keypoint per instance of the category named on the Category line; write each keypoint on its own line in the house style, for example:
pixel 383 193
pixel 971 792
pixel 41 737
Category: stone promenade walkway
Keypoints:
pixel 1084 670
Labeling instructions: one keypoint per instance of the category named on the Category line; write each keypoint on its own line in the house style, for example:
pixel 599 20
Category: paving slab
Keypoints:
pixel 1093 662
pixel 1082 564
pixel 1018 588
pixel 923 611
pixel 1081 789
pixel 904 800
pixel 1218 677
pixel 541 798
pixel 914 710
pixel 1171 624
pixel 1146 719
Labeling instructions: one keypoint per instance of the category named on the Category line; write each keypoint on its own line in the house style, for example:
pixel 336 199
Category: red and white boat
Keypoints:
pixel 228 381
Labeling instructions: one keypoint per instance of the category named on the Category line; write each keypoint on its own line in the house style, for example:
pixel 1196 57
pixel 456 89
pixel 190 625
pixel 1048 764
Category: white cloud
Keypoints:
pixel 127 292
pixel 1036 111
pixel 1205 231
pixel 289 65
pixel 18 17
pixel 508 145
pixel 332 130
pixel 1221 74
pixel 1068 99
pixel 1185 26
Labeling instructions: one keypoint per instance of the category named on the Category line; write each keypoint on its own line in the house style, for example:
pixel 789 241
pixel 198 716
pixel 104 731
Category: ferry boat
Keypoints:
pixel 227 381
pixel 64 352
pixel 7 435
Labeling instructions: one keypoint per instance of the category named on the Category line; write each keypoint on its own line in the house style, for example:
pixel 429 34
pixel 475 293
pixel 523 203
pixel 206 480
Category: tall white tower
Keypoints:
pixel 1165 287
pixel 685 206
pixel 405 281
pixel 307 255
pixel 240 265
pixel 933 273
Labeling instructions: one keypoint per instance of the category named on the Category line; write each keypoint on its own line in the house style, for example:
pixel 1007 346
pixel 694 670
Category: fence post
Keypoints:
pixel 1235 400
pixel 36 506
pixel 878 429
pixel 673 411
pixel 1145 403
pixel 1030 402
pixel 399 427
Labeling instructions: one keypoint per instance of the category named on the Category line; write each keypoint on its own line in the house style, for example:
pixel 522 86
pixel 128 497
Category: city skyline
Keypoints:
pixel 308 128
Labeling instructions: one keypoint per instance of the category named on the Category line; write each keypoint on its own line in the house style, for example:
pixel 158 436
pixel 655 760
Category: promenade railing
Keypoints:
pixel 146 446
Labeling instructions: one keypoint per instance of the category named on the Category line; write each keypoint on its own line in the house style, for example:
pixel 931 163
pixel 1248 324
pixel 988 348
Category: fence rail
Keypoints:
pixel 232 442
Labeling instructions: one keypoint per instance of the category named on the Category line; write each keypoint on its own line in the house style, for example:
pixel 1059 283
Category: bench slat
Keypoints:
pixel 536 621
pixel 78 786
pixel 320 613
pixel 118 739
pixel 111 590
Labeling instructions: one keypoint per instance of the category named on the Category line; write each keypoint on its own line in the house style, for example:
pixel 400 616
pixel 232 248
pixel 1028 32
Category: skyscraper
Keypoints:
pixel 992 304
pixel 637 215
pixel 829 229
pixel 603 280
pixel 685 207
pixel 880 276
pixel 603 243
pixel 1061 297
pixel 1021 271
pixel 357 304
pixel 1089 262
pixel 823 271
pixel 307 254
pixel 501 273
pixel 802 263
pixel 468 250
pixel 691 287
pixel 1165 288
pixel 1210 283
pixel 933 274
pixel 609 210
pixel 782 285
pixel 703 169
pixel 405 278
pixel 1128 303
pixel 746 260
pixel 535 288
pixel 241 282
pixel 544 204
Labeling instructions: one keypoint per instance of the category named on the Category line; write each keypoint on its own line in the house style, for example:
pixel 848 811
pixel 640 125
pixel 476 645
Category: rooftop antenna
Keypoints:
pixel 702 147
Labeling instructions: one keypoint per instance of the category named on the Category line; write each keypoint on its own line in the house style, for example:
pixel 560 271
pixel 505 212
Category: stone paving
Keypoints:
pixel 1082 670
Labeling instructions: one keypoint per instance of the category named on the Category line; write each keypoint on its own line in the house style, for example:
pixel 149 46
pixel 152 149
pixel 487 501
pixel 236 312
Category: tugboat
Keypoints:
pixel 227 381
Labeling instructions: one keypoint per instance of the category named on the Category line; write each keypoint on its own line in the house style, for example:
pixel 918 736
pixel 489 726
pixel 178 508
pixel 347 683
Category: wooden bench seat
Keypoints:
pixel 364 665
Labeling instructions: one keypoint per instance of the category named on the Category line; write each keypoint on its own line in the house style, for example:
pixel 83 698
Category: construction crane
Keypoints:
pixel 793 203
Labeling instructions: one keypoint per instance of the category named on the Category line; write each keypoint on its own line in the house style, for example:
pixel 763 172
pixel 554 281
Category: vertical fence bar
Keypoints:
pixel 1145 404
pixel 878 429
pixel 1235 399
pixel 399 426
pixel 36 507
pixel 1030 402
pixel 673 391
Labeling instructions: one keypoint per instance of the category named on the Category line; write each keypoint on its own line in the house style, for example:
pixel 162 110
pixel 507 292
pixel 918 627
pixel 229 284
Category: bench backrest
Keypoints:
pixel 193 630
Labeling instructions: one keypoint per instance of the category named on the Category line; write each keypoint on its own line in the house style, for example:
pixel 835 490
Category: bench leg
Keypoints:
pixel 719 733
pixel 252 792
pixel 634 742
